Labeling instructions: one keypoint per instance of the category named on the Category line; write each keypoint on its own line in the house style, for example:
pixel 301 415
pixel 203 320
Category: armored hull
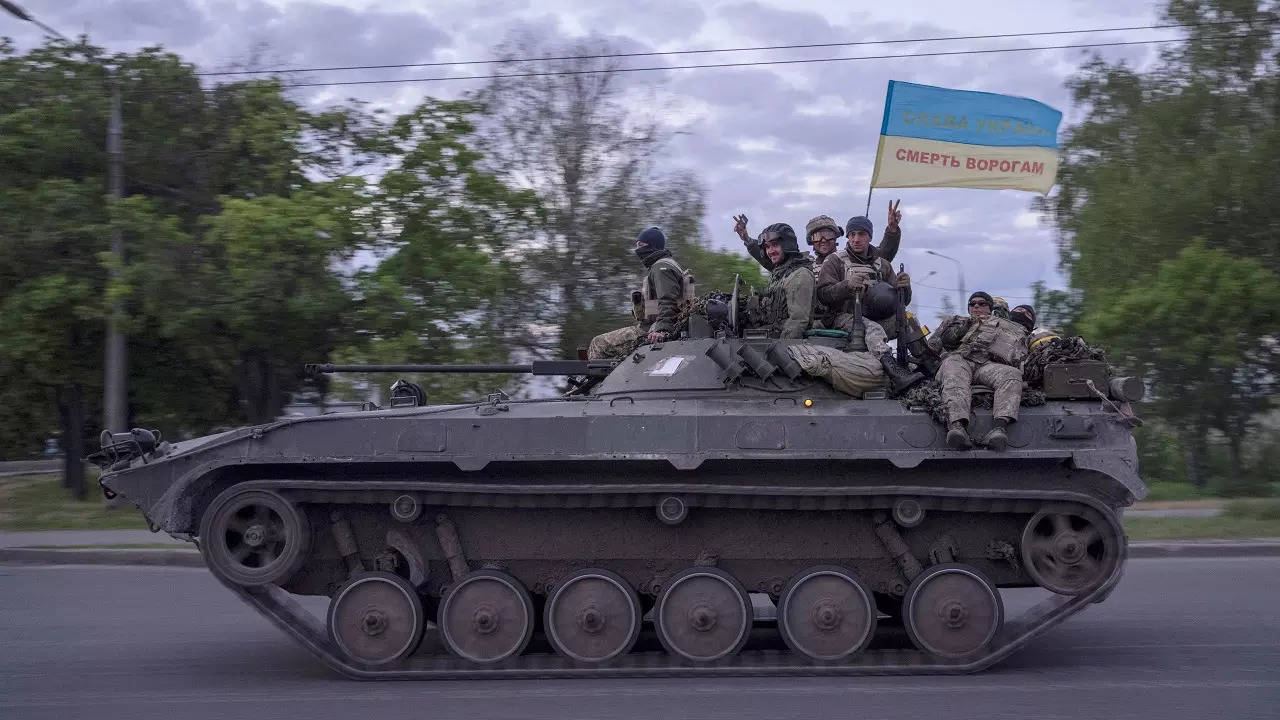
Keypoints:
pixel 683 515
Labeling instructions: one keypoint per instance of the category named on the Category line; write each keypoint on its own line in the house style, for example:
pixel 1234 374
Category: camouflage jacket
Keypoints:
pixel 834 293
pixel 981 340
pixel 663 283
pixel 786 304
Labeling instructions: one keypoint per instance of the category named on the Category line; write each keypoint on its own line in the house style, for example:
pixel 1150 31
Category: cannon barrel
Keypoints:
pixel 537 367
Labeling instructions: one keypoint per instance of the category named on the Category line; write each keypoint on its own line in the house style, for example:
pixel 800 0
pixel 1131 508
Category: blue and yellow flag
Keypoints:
pixel 935 137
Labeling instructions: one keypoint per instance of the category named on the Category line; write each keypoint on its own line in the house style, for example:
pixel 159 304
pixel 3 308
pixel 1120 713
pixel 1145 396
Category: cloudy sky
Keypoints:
pixel 780 142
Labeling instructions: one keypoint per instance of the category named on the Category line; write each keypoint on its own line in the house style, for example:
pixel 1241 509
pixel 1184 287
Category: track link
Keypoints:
pixel 286 613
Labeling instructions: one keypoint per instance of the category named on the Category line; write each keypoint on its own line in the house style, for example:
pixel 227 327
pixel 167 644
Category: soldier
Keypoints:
pixel 858 270
pixel 1000 307
pixel 656 306
pixel 786 304
pixel 1024 315
pixel 821 233
pixel 984 349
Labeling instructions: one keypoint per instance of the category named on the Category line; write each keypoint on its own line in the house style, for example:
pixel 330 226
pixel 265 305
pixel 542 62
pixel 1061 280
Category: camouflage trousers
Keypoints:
pixel 852 373
pixel 877 334
pixel 616 343
pixel 958 376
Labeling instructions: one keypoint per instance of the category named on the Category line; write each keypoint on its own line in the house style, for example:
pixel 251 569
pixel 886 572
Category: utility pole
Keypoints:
pixel 115 391
pixel 960 273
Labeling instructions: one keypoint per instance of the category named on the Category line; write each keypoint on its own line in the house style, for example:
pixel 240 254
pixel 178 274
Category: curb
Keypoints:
pixel 192 558
pixel 1204 548
pixel 43 556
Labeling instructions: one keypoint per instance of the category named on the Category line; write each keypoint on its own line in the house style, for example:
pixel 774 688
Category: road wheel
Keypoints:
pixel 952 611
pixel 376 618
pixel 254 537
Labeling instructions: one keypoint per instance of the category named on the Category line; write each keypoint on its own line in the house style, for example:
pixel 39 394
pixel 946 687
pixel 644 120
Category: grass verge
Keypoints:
pixel 39 502
pixel 1240 520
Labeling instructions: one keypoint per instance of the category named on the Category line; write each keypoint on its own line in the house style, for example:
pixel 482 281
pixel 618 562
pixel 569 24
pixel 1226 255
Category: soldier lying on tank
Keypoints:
pixel 656 306
pixel 1024 315
pixel 986 350
pixel 785 306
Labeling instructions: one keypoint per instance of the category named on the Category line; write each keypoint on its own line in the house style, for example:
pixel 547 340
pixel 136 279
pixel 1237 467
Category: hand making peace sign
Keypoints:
pixel 894 215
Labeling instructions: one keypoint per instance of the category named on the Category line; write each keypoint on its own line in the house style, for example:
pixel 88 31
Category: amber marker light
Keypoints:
pixel 808 403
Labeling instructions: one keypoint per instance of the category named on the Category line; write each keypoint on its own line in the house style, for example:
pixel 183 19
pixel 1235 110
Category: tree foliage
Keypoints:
pixel 576 139
pixel 1205 332
pixel 1184 151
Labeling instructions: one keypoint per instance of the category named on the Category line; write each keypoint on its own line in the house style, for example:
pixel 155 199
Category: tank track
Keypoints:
pixel 285 612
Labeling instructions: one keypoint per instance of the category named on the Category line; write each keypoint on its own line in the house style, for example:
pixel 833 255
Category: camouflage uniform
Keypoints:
pixel 834 292
pixel 852 373
pixel 786 305
pixel 664 287
pixel 990 352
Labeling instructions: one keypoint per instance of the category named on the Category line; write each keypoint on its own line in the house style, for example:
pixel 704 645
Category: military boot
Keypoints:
pixel 958 436
pixel 929 364
pixel 996 438
pixel 900 377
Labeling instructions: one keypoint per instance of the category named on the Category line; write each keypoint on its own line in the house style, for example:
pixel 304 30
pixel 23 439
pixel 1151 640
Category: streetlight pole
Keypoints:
pixel 959 271
pixel 115 381
pixel 16 11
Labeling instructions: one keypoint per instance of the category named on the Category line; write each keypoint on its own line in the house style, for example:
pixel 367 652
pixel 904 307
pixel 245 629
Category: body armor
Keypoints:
pixel 995 339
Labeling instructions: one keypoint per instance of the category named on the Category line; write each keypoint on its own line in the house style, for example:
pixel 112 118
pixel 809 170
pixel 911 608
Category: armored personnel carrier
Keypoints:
pixel 701 506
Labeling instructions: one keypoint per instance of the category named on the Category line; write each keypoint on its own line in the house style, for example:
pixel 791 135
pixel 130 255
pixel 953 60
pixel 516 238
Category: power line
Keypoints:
pixel 940 53
pixel 941 38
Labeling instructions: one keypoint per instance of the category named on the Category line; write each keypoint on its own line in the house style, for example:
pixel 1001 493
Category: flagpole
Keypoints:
pixel 868 211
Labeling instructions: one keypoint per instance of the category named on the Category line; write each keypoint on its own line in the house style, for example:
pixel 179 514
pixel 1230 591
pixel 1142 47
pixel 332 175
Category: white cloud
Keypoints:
pixel 761 137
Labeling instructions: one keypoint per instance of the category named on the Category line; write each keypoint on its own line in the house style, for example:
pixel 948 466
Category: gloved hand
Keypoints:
pixel 953 332
pixel 855 281
pixel 902 281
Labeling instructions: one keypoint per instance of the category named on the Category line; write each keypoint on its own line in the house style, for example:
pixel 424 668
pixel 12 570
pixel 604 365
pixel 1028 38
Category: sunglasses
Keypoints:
pixel 770 237
pixel 979 303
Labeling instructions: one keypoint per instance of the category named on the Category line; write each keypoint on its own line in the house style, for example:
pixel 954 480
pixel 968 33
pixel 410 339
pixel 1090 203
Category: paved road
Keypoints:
pixel 81 538
pixel 1180 638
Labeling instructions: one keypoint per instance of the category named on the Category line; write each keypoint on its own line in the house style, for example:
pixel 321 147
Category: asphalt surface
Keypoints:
pixel 1180 638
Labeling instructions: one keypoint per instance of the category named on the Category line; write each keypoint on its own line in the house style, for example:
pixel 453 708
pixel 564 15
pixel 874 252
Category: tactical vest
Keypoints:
pixel 879 269
pixel 772 313
pixel 688 289
pixel 993 338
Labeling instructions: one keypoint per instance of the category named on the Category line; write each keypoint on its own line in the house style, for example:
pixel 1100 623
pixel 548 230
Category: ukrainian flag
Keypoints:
pixel 936 137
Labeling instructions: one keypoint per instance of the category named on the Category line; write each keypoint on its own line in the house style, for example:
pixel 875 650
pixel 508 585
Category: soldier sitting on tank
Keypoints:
pixel 1000 307
pixel 784 308
pixel 857 278
pixel 980 349
pixel 656 306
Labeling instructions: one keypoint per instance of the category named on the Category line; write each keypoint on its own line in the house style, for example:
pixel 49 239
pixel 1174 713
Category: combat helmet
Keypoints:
pixel 784 235
pixel 821 222
pixel 879 302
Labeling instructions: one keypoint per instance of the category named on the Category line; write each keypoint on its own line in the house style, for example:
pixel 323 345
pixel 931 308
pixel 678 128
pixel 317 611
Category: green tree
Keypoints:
pixel 1204 332
pixel 450 284
pixel 1184 150
pixel 1056 309
pixel 1179 151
